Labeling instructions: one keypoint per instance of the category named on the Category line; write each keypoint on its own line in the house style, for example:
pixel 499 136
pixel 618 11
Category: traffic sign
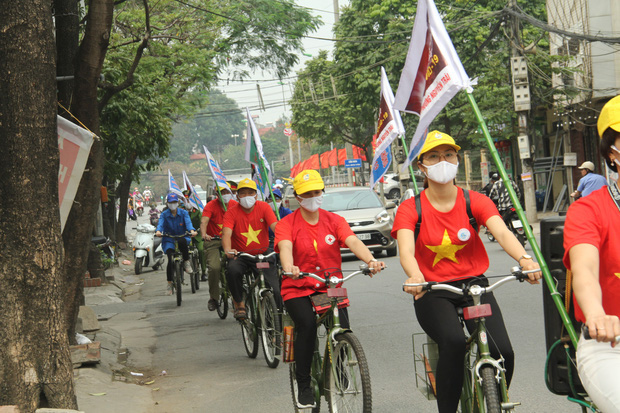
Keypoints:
pixel 353 163
pixel 288 131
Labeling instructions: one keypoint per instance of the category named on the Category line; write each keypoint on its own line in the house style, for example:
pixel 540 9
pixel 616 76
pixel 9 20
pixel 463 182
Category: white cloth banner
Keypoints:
pixel 74 144
pixel 432 75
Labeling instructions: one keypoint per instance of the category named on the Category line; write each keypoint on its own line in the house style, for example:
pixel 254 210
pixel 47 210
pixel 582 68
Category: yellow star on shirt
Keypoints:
pixel 220 226
pixel 617 274
pixel 446 250
pixel 251 236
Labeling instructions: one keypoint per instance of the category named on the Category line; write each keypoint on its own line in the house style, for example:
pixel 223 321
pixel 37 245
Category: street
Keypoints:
pixel 207 369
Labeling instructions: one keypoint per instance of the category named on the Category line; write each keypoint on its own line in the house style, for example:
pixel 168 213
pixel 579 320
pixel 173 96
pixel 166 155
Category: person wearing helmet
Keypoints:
pixel 246 229
pixel 445 247
pixel 589 181
pixel 309 240
pixel 211 225
pixel 591 241
pixel 493 177
pixel 175 221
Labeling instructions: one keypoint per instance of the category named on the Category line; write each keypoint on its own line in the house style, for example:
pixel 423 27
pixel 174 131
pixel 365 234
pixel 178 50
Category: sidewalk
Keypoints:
pixel 119 383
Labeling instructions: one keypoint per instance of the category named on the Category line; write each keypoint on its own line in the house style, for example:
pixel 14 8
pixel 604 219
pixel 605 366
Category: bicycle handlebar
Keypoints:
pixel 259 257
pixel 586 334
pixel 187 234
pixel 333 280
pixel 474 290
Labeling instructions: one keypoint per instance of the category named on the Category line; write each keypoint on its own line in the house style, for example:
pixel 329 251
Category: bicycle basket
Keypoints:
pixel 425 363
pixel 322 303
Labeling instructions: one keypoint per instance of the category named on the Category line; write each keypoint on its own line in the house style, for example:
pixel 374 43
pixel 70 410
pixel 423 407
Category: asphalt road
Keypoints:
pixel 207 369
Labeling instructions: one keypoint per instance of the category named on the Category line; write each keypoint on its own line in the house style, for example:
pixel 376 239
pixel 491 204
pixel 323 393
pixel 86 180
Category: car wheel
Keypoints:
pixel 394 193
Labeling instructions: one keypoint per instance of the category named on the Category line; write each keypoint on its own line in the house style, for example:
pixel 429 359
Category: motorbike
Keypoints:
pixel 139 208
pixel 105 245
pixel 147 249
pixel 515 225
pixel 154 217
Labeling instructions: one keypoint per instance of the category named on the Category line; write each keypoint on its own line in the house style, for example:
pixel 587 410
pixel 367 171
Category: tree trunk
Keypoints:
pixel 35 362
pixel 123 195
pixel 67 32
pixel 79 225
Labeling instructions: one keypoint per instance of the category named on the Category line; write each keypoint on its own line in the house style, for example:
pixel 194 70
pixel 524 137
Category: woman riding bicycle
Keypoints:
pixel 175 221
pixel 590 242
pixel 309 240
pixel 445 247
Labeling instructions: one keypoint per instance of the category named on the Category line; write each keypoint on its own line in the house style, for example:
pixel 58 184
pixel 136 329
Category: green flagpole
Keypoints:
pixel 415 184
pixel 526 226
pixel 219 193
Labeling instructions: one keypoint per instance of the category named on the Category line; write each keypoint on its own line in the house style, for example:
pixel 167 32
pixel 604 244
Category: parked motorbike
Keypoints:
pixel 147 249
pixel 105 245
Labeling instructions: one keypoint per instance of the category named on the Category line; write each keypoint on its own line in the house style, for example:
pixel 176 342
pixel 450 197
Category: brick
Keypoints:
pixel 9 409
pixel 92 282
pixel 86 353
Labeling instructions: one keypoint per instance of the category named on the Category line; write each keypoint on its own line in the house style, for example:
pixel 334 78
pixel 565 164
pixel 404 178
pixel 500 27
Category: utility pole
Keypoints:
pixel 521 94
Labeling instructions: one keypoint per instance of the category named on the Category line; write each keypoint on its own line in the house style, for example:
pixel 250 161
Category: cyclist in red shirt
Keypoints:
pixel 246 229
pixel 309 240
pixel 448 249
pixel 591 241
pixel 211 225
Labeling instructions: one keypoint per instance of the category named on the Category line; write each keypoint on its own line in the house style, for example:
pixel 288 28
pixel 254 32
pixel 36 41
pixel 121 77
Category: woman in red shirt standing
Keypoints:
pixel 448 249
pixel 309 240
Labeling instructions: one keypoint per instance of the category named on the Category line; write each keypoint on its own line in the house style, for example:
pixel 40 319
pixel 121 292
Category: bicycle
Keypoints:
pixel 177 273
pixel 194 257
pixel 341 375
pixel 222 303
pixel 484 385
pixel 262 313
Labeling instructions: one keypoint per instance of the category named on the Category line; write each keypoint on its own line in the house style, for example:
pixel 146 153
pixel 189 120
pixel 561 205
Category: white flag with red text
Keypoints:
pixel 432 75
pixel 389 127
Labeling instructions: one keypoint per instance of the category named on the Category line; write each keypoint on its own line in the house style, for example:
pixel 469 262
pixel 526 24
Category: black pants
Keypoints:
pixel 437 315
pixel 302 313
pixel 182 244
pixel 238 266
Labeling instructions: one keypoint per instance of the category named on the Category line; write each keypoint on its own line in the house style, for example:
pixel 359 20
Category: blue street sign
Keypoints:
pixel 353 163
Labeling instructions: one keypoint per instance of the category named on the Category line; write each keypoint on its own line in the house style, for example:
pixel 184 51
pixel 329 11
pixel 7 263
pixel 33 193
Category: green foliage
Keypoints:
pixel 376 33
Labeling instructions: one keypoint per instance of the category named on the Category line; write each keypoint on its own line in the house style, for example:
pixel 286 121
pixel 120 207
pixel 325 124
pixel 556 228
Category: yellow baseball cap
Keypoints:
pixel 436 138
pixel 609 117
pixel 308 180
pixel 246 183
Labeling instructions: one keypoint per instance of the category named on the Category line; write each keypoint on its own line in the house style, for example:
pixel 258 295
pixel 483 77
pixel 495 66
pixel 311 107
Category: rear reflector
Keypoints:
pixel 477 311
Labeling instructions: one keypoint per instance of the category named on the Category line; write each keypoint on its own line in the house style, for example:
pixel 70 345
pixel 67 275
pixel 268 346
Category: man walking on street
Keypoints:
pixel 589 181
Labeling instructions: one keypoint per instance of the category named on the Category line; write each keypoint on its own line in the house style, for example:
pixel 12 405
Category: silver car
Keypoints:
pixel 370 219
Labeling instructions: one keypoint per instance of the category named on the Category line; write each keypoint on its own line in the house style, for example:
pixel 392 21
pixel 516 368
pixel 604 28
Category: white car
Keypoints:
pixel 391 184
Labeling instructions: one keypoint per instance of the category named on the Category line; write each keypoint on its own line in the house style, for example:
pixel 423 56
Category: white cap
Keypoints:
pixel 587 165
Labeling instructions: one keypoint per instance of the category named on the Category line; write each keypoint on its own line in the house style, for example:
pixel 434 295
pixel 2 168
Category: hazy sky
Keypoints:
pixel 276 96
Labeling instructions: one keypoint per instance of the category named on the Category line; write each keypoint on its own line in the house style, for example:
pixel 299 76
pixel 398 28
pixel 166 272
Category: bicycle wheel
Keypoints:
pixel 348 390
pixel 271 329
pixel 293 380
pixel 490 390
pixel 249 329
pixel 197 270
pixel 222 305
pixel 178 274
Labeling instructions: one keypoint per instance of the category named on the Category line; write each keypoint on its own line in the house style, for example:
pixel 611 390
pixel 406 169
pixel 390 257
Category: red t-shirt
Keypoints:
pixel 250 230
pixel 316 248
pixel 214 211
pixel 447 247
pixel 594 220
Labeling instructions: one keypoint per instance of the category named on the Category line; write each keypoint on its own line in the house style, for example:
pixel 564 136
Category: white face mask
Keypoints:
pixel 442 172
pixel 235 197
pixel 173 206
pixel 247 201
pixel 227 198
pixel 275 206
pixel 312 204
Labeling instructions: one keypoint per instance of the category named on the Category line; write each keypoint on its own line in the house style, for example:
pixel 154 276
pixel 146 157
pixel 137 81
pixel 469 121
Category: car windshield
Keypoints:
pixel 347 200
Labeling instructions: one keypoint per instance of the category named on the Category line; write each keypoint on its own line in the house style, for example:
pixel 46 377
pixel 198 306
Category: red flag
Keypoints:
pixel 312 162
pixel 359 153
pixel 342 156
pixel 432 75
pixel 325 160
pixel 332 157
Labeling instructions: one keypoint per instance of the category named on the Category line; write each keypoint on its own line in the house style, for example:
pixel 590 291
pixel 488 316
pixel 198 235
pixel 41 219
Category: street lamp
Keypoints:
pixel 235 136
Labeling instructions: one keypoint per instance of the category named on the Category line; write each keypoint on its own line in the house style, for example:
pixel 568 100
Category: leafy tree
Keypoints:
pixel 209 128
pixel 374 34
